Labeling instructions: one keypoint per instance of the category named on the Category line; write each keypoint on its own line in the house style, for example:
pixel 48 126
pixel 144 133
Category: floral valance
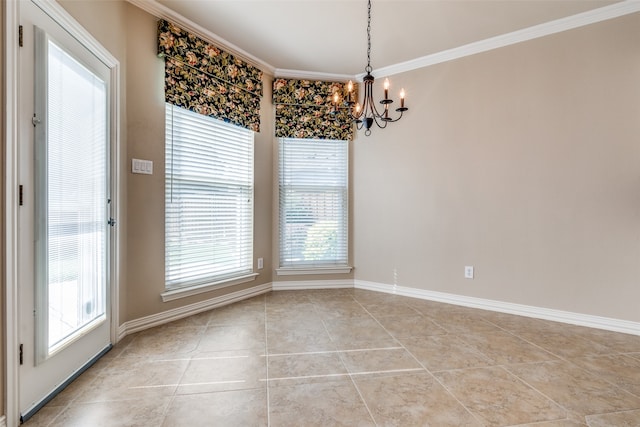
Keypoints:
pixel 203 78
pixel 306 109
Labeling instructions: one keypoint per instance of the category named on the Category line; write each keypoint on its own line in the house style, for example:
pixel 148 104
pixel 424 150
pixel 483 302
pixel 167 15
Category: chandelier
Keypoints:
pixel 366 114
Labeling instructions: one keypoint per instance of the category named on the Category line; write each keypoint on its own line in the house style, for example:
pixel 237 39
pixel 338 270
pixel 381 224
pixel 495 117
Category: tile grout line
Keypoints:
pixel 355 385
pixel 611 383
pixel 266 360
pixel 346 368
pixel 622 411
pixel 394 338
pixel 527 341
pixel 361 373
pixel 477 418
pixel 182 375
pixel 505 368
pixel 305 353
pixel 560 358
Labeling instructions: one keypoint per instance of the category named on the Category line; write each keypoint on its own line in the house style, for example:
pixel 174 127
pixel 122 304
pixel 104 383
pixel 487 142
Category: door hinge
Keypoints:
pixel 20 196
pixel 20 40
pixel 21 354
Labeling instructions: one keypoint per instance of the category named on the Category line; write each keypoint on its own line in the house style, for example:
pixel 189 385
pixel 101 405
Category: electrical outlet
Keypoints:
pixel 260 263
pixel 468 272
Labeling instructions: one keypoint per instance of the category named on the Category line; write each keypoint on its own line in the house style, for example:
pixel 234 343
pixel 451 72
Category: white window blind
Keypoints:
pixel 313 202
pixel 72 232
pixel 209 199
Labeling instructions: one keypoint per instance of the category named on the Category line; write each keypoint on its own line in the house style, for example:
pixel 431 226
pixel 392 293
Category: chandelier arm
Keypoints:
pixel 367 114
pixel 375 113
pixel 395 120
pixel 376 116
pixel 381 126
pixel 381 120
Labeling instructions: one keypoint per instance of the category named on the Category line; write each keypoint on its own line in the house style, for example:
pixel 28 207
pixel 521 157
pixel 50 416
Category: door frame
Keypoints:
pixel 11 85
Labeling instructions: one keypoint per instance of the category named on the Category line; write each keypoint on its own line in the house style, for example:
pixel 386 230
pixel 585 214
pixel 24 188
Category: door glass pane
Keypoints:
pixel 76 217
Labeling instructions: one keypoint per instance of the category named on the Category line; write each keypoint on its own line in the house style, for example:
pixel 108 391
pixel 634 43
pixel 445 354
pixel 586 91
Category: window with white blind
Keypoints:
pixel 209 200
pixel 71 214
pixel 313 185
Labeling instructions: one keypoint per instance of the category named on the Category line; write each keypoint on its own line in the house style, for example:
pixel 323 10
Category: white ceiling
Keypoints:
pixel 328 36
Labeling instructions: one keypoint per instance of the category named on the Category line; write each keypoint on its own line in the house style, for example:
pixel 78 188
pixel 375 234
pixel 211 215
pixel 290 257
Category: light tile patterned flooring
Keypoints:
pixel 349 357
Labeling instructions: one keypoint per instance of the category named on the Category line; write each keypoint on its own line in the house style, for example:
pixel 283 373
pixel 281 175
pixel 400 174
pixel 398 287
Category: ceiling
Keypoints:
pixel 328 36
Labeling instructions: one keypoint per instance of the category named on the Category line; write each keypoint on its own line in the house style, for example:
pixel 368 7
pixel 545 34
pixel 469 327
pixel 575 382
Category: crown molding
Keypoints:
pixel 161 11
pixel 612 11
pixel 310 75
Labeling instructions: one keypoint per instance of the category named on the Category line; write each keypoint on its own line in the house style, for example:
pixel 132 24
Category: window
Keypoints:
pixel 313 204
pixel 71 214
pixel 209 200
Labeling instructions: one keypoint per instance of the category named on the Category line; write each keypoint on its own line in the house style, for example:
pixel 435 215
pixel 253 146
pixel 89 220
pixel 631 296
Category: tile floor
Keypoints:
pixel 357 358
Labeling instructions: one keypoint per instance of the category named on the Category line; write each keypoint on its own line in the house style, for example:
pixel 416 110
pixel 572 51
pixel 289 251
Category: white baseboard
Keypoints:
pixel 590 321
pixel 587 320
pixel 312 284
pixel 147 322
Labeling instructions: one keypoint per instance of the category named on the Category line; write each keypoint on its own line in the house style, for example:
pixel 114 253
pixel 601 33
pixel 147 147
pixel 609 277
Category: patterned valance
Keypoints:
pixel 304 110
pixel 205 79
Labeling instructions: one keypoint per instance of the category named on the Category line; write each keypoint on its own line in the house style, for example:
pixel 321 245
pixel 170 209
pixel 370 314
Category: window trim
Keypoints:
pixel 187 291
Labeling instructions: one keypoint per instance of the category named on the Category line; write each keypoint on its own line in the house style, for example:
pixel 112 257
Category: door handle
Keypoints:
pixel 112 222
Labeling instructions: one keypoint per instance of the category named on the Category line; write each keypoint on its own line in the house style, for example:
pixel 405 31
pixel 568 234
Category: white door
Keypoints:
pixel 64 216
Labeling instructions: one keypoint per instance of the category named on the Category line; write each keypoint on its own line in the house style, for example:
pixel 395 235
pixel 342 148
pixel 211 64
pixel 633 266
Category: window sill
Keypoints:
pixel 294 271
pixel 188 291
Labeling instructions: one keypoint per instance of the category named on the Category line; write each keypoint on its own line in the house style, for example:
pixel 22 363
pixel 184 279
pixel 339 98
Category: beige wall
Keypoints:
pixel 523 162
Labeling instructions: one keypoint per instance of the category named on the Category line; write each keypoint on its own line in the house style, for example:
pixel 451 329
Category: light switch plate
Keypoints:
pixel 142 166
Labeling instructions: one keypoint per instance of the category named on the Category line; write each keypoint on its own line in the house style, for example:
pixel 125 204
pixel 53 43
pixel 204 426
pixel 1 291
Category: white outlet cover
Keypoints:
pixel 468 272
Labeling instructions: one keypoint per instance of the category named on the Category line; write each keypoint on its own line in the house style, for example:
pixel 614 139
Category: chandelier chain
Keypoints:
pixel 368 68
